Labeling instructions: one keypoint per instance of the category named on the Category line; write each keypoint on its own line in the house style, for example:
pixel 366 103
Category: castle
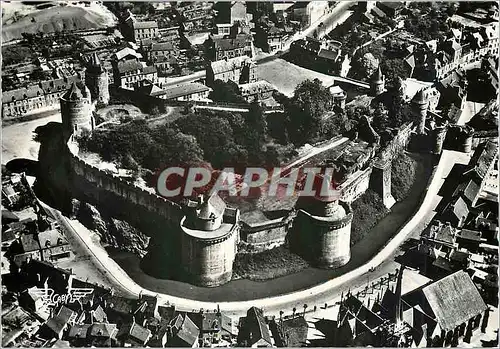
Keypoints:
pixel 205 232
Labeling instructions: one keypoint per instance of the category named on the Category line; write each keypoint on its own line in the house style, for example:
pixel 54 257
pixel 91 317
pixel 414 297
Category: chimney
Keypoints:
pixel 201 201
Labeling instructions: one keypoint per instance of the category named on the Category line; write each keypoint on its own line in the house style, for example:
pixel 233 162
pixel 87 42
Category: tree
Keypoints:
pixel 393 69
pixel 305 307
pixel 364 66
pixel 310 102
pixel 380 120
pixel 294 310
pixel 227 92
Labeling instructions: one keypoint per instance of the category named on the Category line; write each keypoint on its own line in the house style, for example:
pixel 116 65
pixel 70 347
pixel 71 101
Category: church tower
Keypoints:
pixel 419 105
pixel 377 83
pixel 96 79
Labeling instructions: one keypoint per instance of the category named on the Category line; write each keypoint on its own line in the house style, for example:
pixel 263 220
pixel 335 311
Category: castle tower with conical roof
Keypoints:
pixel 96 79
pixel 76 111
pixel 377 83
pixel 419 105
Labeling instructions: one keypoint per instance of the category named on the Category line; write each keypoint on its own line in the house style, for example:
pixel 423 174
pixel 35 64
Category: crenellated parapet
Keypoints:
pixel 121 187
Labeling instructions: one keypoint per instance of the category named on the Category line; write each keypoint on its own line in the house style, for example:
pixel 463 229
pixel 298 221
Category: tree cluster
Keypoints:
pixel 309 115
pixel 427 20
pixel 222 139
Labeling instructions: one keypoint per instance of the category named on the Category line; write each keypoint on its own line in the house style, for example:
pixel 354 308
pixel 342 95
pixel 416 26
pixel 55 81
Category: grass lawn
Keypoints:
pixel 286 76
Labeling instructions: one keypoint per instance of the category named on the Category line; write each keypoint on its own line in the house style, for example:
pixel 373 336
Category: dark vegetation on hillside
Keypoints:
pixel 269 264
pixel 403 175
pixel 368 209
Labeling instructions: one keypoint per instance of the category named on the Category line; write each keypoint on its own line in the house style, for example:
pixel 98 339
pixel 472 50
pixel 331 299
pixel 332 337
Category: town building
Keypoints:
pixel 217 49
pixel 240 70
pixel 135 31
pixel 127 73
pixel 43 96
pixel 490 65
pixel 253 330
pixel 156 50
pixel 256 91
pixel 308 12
pixel 183 92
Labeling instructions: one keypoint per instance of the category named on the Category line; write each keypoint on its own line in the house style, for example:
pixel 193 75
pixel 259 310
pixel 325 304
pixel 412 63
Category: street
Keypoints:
pixel 382 263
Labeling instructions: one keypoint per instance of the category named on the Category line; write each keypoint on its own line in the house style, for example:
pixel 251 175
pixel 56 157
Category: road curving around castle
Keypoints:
pixel 270 304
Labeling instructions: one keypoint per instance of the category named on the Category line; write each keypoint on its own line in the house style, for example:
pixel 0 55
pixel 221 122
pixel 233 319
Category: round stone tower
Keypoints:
pixel 321 232
pixel 96 79
pixel 377 83
pixel 209 241
pixel 76 111
pixel 420 104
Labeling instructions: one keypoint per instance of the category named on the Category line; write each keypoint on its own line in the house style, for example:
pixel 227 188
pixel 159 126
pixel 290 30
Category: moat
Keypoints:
pixel 244 289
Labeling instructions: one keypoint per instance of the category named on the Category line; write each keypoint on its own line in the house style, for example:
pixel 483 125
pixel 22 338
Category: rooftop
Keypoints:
pixel 223 66
pixel 454 300
pixel 145 25
pixel 185 89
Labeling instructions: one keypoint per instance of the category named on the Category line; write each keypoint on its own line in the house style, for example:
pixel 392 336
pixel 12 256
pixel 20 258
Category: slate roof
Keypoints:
pixel 99 314
pixel 129 65
pixel 79 331
pixel 51 238
pixel 468 234
pixel 188 332
pixel 483 158
pixel 454 300
pixel 185 89
pixel 22 93
pixel 145 25
pixel 440 232
pixel 469 189
pixel 76 93
pixel 162 46
pixel 29 243
pixel 56 85
pixel 103 330
pixel 59 321
pixel 135 332
pixel 226 44
pixel 125 52
pixel 223 66
pixel 213 205
pixel 328 54
pixel 458 208
pixel 255 325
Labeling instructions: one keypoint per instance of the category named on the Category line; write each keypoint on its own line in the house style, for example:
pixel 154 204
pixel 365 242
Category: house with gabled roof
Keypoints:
pixel 253 330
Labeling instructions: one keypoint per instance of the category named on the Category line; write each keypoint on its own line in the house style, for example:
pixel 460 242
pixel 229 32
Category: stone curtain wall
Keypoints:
pixel 398 143
pixel 103 181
